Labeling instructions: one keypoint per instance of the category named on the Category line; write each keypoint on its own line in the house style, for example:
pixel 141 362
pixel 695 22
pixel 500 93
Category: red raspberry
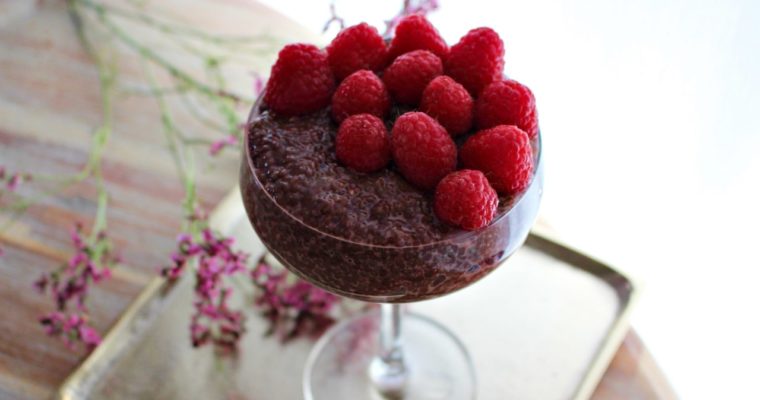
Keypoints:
pixel 507 102
pixel 422 150
pixel 362 143
pixel 477 60
pixel 409 74
pixel 465 199
pixel 357 47
pixel 301 81
pixel 415 32
pixel 504 154
pixel 362 92
pixel 449 103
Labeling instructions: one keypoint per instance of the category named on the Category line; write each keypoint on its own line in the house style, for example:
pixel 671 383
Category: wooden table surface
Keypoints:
pixel 49 107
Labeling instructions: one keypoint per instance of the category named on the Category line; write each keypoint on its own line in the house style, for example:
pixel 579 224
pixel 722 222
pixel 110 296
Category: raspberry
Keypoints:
pixel 465 199
pixel 356 47
pixel 362 143
pixel 415 32
pixel 503 154
pixel 422 150
pixel 449 103
pixel 362 92
pixel 407 77
pixel 477 60
pixel 507 102
pixel 300 81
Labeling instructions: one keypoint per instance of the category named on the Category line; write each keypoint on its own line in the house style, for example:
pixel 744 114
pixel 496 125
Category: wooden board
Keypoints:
pixel 49 106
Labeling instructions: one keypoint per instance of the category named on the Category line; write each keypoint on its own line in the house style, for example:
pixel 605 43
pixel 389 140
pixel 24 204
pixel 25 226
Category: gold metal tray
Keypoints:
pixel 543 326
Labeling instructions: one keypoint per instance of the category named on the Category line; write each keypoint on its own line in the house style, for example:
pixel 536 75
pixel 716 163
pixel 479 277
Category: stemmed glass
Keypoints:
pixel 387 353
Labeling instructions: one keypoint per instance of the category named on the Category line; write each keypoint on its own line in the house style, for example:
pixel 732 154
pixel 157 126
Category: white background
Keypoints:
pixel 650 112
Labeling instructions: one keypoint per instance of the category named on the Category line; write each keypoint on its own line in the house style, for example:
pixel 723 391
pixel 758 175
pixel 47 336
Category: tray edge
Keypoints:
pixel 540 238
pixel 222 218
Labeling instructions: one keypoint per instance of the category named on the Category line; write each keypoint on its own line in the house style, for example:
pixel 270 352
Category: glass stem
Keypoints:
pixel 387 370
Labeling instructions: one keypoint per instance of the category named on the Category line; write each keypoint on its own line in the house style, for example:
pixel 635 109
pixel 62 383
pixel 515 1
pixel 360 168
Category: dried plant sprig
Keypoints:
pixel 334 19
pixel 216 263
pixel 69 287
pixel 106 19
pixel 292 306
pixel 93 255
pixel 410 7
pixel 92 262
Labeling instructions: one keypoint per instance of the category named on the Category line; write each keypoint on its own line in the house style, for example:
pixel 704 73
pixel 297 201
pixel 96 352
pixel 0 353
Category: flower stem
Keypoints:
pixel 149 54
pixel 107 77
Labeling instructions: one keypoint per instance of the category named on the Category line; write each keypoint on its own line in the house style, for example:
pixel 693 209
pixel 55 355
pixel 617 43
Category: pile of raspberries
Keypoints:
pixel 452 91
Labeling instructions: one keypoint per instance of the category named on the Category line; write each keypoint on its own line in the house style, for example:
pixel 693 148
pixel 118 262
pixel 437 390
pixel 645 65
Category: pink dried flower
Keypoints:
pixel 219 145
pixel 90 336
pixel 361 343
pixel 91 263
pixel 71 329
pixel 41 283
pixel 258 83
pixel 14 180
pixel 199 214
pixel 215 255
pixel 186 250
pixel 213 321
pixel 294 309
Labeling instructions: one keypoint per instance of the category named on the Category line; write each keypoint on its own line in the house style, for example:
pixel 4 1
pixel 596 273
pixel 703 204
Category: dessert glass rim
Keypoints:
pixel 461 235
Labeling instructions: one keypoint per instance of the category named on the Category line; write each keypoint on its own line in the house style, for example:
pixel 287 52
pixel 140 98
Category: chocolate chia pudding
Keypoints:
pixel 371 237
